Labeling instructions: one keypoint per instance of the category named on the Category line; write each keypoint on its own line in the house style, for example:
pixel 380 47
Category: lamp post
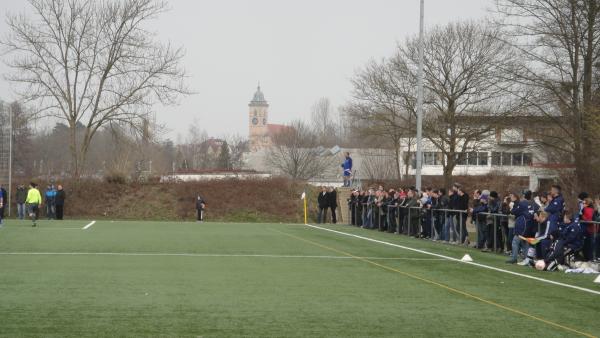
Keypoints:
pixel 420 100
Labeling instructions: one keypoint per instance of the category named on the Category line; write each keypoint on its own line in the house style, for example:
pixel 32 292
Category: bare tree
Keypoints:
pixel 296 153
pixel 560 41
pixel 238 146
pixel 325 123
pixel 375 164
pixel 93 63
pixel 466 86
pixel 382 106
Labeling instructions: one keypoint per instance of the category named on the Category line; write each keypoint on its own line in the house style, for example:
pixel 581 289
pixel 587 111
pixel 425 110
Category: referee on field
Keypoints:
pixel 34 199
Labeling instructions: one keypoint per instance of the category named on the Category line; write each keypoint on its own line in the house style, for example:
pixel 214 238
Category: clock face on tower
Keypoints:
pixel 264 121
pixel 255 121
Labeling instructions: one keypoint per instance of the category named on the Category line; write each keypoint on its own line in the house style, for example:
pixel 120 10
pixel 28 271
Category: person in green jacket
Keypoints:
pixel 33 201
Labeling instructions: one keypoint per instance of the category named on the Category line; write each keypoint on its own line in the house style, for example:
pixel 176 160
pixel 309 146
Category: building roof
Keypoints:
pixel 259 97
pixel 273 129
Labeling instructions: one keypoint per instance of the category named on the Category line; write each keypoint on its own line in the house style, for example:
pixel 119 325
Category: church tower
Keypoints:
pixel 258 118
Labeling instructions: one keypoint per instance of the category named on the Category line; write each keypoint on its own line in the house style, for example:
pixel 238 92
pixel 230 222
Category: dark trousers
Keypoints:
pixel 392 225
pixel 200 214
pixel 60 211
pixel 333 216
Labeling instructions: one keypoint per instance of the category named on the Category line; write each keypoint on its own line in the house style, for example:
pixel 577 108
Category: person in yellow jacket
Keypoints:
pixel 33 201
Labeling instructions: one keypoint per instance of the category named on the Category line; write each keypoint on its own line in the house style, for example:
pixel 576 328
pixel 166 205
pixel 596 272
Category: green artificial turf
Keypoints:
pixel 173 279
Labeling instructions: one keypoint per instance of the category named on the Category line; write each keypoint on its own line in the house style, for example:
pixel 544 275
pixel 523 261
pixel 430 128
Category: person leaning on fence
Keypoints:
pixel 200 207
pixel 480 206
pixel 494 231
pixel 21 197
pixel 413 215
pixel 322 204
pixel 33 201
pixel 463 206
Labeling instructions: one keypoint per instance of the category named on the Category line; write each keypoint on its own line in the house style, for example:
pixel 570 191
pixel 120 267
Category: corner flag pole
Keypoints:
pixel 305 208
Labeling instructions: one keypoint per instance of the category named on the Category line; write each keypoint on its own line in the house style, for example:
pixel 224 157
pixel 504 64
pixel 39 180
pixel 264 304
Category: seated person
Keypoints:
pixel 566 239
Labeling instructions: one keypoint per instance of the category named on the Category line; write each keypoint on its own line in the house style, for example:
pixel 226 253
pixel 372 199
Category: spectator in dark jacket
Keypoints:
pixel 463 206
pixel 59 202
pixel 323 204
pixel 332 203
pixel 21 197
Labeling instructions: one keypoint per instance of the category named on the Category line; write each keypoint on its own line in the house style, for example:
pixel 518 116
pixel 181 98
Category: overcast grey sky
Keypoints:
pixel 298 50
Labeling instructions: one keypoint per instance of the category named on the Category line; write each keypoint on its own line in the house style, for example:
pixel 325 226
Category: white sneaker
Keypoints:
pixel 524 262
pixel 562 267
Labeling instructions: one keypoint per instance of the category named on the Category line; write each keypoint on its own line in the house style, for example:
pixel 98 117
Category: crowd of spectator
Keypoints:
pixel 535 229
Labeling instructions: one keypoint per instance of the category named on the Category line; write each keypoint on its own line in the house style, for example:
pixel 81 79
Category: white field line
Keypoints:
pixel 203 255
pixel 38 228
pixel 88 225
pixel 458 260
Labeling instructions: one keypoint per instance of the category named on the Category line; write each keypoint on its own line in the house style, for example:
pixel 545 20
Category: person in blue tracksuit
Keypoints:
pixel 555 208
pixel 347 166
pixel 523 212
pixel 568 237
pixel 50 197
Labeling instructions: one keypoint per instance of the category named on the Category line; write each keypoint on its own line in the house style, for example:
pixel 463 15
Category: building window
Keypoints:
pixel 496 158
pixel 517 159
pixel 527 159
pixel 472 159
pixel 461 159
pixel 506 159
pixel 482 159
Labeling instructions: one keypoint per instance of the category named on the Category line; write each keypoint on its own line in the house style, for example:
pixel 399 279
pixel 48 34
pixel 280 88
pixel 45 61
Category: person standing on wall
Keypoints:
pixel 59 202
pixel 347 166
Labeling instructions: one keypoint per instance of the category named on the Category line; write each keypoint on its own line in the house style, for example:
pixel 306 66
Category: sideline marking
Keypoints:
pixel 464 293
pixel 204 255
pixel 459 261
pixel 89 225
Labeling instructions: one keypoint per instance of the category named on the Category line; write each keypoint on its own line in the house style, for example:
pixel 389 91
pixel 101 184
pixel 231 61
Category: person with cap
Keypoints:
pixel 34 201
